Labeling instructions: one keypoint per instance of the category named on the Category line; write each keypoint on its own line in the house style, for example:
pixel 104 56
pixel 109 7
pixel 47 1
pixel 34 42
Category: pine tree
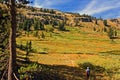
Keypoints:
pixel 30 45
pixel 12 69
pixel 43 35
pixel 36 25
pixel 61 26
pixel 41 25
pixel 115 33
pixel 105 22
pixel 21 46
pixel 27 50
pixel 96 22
pixel 112 33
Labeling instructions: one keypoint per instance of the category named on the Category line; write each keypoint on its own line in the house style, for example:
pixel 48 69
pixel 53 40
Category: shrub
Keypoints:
pixel 92 67
pixel 26 72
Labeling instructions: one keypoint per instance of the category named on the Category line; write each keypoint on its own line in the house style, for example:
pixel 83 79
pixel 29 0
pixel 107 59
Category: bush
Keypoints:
pixel 92 67
pixel 27 72
pixel 49 29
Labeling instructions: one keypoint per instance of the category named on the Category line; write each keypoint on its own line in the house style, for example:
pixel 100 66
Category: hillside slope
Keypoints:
pixel 71 19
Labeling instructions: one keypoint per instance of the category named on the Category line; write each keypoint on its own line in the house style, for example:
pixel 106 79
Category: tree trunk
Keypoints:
pixel 12 42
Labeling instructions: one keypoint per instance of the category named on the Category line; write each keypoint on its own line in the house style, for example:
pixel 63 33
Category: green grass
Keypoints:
pixel 93 47
pixel 72 41
pixel 111 64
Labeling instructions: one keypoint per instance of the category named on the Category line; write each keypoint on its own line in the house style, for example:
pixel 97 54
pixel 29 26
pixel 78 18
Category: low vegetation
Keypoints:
pixel 81 49
pixel 59 46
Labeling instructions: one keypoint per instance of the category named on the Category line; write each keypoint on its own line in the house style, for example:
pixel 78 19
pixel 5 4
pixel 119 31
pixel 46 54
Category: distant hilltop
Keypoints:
pixel 73 19
pixel 50 16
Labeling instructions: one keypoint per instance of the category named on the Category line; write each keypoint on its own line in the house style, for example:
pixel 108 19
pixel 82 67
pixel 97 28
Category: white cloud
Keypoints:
pixel 37 3
pixel 98 6
pixel 48 3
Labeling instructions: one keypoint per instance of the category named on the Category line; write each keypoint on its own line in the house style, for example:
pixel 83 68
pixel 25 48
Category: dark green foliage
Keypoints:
pixel 20 26
pixel 4 39
pixel 61 26
pixel 28 49
pixel 52 11
pixel 42 35
pixel 94 29
pixel 30 45
pixel 38 25
pixel 41 26
pixel 36 34
pixel 92 67
pixel 32 9
pixel 27 24
pixel 4 28
pixel 105 29
pixel 111 33
pixel 115 33
pixel 76 22
pixel 54 23
pixel 96 22
pixel 105 23
pixel 35 71
pixel 21 46
pixel 3 1
pixel 50 34
pixel 24 23
pixel 46 22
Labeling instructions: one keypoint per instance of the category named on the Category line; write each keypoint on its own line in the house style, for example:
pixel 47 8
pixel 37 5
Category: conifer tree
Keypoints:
pixel 96 22
pixel 112 33
pixel 43 35
pixel 105 23
pixel 61 26
pixel 12 69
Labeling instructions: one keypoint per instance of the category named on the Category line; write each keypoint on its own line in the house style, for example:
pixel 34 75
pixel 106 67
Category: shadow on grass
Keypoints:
pixel 96 72
pixel 97 69
pixel 113 52
pixel 35 71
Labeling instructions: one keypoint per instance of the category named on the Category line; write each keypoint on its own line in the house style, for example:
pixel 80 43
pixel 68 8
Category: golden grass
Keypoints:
pixel 71 48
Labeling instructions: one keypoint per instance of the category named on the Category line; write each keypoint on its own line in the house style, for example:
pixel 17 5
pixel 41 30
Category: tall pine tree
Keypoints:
pixel 12 69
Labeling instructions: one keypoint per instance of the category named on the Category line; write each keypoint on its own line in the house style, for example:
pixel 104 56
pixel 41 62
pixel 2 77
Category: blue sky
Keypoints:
pixel 97 8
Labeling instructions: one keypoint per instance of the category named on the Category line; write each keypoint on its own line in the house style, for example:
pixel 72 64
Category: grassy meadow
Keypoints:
pixel 75 48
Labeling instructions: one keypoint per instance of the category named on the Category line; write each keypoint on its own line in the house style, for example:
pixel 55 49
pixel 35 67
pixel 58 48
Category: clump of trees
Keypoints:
pixel 105 22
pixel 112 33
pixel 38 25
pixel 62 26
pixel 42 35
pixel 96 22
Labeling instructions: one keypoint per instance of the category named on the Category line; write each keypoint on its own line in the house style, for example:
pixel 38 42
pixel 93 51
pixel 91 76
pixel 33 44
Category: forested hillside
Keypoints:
pixel 55 45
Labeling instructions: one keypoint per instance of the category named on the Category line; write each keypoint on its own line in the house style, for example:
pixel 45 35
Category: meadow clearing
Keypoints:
pixel 76 48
